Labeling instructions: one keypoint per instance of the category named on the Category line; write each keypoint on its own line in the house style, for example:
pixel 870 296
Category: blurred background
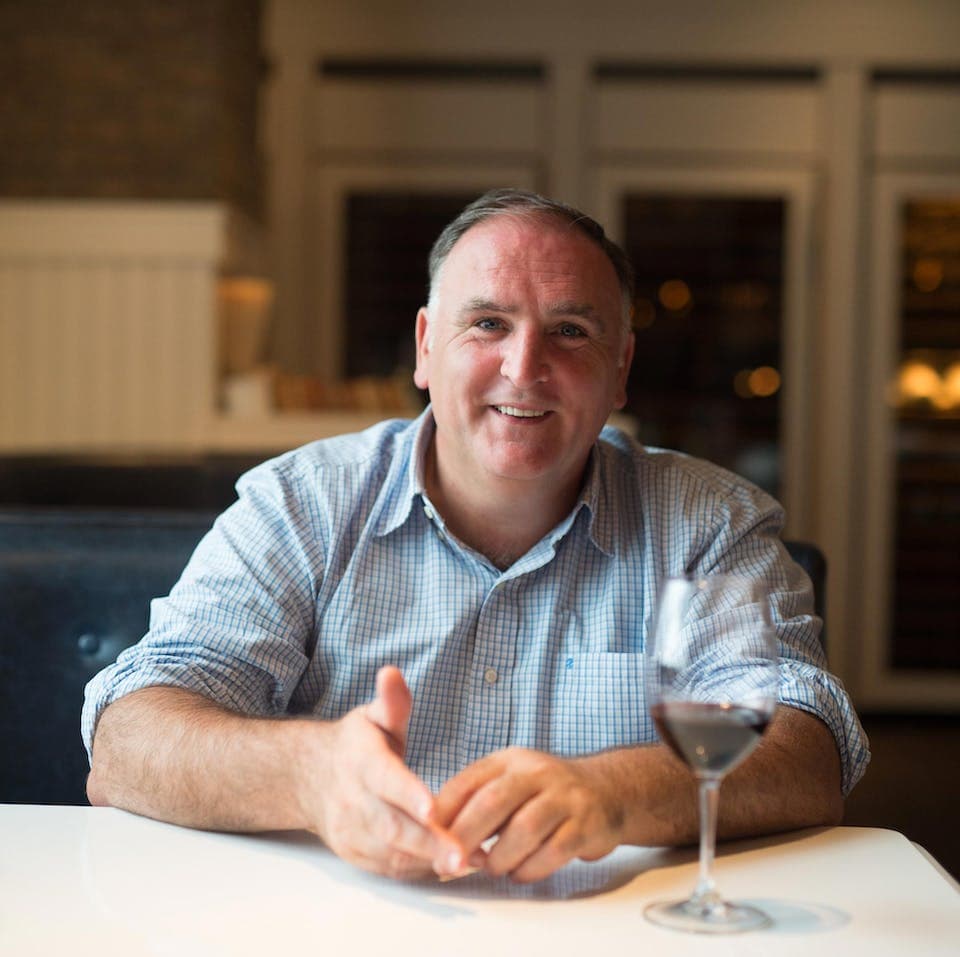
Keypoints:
pixel 214 218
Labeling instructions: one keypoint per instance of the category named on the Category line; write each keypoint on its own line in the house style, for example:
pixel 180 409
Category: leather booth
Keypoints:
pixel 75 589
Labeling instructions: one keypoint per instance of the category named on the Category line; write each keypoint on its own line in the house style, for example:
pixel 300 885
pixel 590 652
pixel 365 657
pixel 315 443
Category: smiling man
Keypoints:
pixel 427 636
pixel 525 352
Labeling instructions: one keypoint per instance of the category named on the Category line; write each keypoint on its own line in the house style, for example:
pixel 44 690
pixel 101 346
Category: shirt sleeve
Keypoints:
pixel 746 539
pixel 237 625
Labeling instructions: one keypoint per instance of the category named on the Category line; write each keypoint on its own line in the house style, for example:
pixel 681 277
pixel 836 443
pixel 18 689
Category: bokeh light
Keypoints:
pixel 927 274
pixel 759 383
pixel 918 380
pixel 675 295
pixel 764 381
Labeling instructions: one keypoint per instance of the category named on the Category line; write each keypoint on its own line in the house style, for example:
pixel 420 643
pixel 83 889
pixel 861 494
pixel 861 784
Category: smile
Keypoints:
pixel 519 413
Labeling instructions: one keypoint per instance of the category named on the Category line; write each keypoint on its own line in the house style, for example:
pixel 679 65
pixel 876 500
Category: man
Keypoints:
pixel 429 635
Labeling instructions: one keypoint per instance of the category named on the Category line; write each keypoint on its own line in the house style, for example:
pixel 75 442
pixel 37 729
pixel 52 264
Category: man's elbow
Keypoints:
pixel 833 808
pixel 828 791
pixel 808 755
pixel 96 793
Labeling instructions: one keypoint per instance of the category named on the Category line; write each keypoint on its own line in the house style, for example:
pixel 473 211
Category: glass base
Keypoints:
pixel 706 917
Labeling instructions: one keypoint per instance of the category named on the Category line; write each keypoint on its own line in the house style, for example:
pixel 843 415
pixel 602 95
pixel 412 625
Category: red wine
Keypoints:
pixel 709 738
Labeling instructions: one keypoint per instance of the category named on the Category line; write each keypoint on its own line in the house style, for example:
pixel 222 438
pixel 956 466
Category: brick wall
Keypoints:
pixel 144 99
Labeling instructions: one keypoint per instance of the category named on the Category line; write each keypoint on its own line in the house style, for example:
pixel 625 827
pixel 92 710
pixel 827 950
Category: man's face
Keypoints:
pixel 523 353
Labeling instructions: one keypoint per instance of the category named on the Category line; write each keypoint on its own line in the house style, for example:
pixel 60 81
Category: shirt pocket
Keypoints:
pixel 600 703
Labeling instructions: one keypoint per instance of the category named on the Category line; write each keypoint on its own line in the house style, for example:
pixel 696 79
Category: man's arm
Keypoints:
pixel 548 810
pixel 176 756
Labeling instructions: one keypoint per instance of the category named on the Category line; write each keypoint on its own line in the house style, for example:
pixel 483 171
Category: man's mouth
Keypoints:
pixel 512 410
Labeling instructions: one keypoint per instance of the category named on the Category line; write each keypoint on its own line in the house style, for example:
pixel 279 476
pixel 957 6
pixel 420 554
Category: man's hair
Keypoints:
pixel 526 205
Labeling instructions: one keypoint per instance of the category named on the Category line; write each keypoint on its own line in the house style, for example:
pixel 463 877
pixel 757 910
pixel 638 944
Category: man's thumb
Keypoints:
pixel 390 709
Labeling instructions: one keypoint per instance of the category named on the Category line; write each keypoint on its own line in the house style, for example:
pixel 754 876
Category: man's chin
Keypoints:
pixel 520 468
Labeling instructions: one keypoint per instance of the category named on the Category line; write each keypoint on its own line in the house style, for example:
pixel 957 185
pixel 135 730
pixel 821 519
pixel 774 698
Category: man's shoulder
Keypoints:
pixel 376 444
pixel 649 469
pixel 337 466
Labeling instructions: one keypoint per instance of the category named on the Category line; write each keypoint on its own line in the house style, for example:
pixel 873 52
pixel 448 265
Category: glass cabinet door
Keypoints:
pixel 912 532
pixel 706 375
pixel 723 352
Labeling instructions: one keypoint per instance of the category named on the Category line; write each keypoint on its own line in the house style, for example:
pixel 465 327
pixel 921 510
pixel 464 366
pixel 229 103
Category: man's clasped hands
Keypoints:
pixel 517 811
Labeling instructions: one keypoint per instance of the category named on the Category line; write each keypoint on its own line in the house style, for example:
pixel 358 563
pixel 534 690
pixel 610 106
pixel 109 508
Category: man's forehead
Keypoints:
pixel 560 307
pixel 506 231
pixel 543 248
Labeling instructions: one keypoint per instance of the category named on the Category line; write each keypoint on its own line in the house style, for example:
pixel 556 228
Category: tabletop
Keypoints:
pixel 81 880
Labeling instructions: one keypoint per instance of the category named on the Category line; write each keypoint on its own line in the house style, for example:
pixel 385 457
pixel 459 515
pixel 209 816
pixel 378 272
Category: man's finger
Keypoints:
pixel 483 804
pixel 407 815
pixel 390 709
pixel 389 780
pixel 530 837
pixel 458 790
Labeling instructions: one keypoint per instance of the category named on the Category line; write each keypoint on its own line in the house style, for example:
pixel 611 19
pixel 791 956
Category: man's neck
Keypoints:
pixel 500 518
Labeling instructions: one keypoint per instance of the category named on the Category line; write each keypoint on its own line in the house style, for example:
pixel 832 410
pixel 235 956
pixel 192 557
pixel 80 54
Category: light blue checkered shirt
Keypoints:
pixel 333 563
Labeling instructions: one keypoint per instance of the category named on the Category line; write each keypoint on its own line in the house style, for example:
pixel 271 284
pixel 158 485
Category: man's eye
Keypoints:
pixel 571 331
pixel 489 324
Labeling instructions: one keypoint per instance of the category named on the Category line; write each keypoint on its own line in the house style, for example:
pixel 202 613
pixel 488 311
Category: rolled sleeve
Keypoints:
pixel 746 539
pixel 805 682
pixel 236 626
pixel 812 690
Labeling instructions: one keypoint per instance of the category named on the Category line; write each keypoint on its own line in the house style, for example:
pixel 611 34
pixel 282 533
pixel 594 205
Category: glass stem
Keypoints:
pixel 706 890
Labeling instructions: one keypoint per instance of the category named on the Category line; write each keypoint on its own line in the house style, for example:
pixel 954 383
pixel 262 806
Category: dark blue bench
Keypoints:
pixel 75 589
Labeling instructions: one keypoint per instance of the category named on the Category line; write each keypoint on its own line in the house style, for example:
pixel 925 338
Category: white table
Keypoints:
pixel 96 881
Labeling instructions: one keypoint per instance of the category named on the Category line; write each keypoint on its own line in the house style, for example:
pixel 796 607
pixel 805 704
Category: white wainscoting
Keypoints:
pixel 107 322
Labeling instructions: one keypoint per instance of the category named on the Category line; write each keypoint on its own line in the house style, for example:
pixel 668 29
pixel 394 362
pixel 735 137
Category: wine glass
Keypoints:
pixel 711 675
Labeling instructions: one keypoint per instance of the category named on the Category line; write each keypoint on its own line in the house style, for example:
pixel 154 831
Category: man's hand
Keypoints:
pixel 544 810
pixel 548 810
pixel 176 756
pixel 369 807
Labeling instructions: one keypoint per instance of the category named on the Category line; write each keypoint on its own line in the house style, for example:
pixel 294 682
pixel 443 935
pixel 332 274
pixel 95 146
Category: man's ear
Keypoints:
pixel 420 376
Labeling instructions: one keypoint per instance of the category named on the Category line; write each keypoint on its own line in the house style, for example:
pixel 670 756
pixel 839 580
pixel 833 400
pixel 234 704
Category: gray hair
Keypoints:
pixel 527 205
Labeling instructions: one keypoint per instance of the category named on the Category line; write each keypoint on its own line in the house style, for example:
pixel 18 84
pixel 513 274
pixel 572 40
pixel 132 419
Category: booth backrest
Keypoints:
pixel 75 589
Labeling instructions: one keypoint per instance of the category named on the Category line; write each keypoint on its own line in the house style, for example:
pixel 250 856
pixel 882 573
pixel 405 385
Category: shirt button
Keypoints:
pixel 490 676
pixel 428 512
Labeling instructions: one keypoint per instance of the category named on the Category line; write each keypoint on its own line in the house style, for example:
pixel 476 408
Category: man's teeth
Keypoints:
pixel 519 413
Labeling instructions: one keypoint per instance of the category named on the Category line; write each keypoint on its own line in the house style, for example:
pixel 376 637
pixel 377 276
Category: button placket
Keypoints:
pixel 491 708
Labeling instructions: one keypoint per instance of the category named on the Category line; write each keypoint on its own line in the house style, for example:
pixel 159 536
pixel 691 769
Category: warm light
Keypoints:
pixel 244 314
pixel 249 290
pixel 918 380
pixel 759 383
pixel 674 294
pixel 764 381
pixel 951 384
pixel 928 274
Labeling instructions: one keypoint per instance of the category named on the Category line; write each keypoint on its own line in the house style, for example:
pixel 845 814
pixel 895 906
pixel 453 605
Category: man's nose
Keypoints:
pixel 525 359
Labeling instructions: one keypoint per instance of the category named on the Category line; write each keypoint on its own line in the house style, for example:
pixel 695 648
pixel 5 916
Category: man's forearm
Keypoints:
pixel 173 754
pixel 792 780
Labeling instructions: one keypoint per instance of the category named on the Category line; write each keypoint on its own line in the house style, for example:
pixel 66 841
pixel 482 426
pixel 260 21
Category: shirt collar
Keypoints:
pixel 405 480
pixel 595 498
